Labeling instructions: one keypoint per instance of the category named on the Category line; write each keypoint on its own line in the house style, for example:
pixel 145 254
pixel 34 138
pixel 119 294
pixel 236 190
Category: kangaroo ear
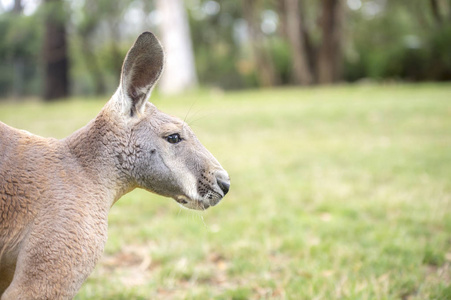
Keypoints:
pixel 141 70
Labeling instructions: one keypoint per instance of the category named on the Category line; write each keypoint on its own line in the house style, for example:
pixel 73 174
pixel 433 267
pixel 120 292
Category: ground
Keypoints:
pixel 337 193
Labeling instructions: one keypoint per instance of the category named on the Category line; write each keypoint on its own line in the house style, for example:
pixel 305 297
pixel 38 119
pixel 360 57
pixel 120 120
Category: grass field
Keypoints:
pixel 337 193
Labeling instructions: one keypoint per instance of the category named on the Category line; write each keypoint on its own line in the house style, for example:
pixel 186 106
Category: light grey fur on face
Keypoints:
pixel 188 157
pixel 55 195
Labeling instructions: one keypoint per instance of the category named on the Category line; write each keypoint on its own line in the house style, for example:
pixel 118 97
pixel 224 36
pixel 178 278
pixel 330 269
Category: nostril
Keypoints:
pixel 223 185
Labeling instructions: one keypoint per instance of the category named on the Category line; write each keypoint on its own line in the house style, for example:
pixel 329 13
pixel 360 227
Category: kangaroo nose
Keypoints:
pixel 223 185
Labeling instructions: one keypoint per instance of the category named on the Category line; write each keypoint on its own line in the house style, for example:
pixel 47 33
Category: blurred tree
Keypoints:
pixel 262 59
pixel 293 27
pixel 330 52
pixel 55 54
pixel 18 56
pixel 18 7
pixel 435 11
pixel 218 36
pixel 399 40
pixel 180 71
pixel 18 63
pixel 236 44
pixel 99 32
pixel 87 28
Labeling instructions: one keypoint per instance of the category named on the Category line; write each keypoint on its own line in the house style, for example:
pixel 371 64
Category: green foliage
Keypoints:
pixel 217 54
pixel 398 40
pixel 403 42
pixel 96 65
pixel 19 54
pixel 281 53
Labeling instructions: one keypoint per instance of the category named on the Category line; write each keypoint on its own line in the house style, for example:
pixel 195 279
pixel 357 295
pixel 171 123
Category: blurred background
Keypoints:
pixel 56 48
pixel 332 117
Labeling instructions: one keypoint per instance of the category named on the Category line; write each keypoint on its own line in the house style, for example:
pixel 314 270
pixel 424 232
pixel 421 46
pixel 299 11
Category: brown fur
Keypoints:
pixel 55 195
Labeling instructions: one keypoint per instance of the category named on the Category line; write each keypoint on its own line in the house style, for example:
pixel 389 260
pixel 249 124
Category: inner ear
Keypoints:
pixel 141 70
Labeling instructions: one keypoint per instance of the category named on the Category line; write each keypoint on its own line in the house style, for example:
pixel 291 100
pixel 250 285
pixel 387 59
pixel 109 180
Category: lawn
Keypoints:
pixel 337 193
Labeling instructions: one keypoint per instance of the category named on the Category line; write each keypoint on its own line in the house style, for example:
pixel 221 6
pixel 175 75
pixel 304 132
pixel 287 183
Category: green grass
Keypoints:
pixel 337 193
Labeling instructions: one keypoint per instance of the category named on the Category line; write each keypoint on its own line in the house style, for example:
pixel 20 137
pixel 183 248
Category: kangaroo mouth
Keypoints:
pixel 199 204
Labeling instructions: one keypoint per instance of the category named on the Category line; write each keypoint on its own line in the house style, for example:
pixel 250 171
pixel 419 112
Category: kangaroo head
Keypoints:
pixel 163 155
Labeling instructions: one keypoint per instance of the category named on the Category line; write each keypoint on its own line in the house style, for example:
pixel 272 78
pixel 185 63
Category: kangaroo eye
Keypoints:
pixel 174 138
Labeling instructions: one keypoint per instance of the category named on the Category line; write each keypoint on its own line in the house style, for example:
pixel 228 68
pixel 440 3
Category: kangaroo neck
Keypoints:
pixel 97 148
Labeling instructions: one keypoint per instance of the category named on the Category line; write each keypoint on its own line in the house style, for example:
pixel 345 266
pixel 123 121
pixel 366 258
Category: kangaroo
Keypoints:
pixel 55 195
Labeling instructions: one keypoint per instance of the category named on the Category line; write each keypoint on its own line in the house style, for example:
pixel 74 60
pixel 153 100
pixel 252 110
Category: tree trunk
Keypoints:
pixel 330 52
pixel 56 62
pixel 18 7
pixel 436 11
pixel 282 12
pixel 18 61
pixel 294 27
pixel 180 72
pixel 262 59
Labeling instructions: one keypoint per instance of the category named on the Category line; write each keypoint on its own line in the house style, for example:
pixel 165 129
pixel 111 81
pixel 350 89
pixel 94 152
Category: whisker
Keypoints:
pixel 190 122
pixel 203 221
pixel 189 110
